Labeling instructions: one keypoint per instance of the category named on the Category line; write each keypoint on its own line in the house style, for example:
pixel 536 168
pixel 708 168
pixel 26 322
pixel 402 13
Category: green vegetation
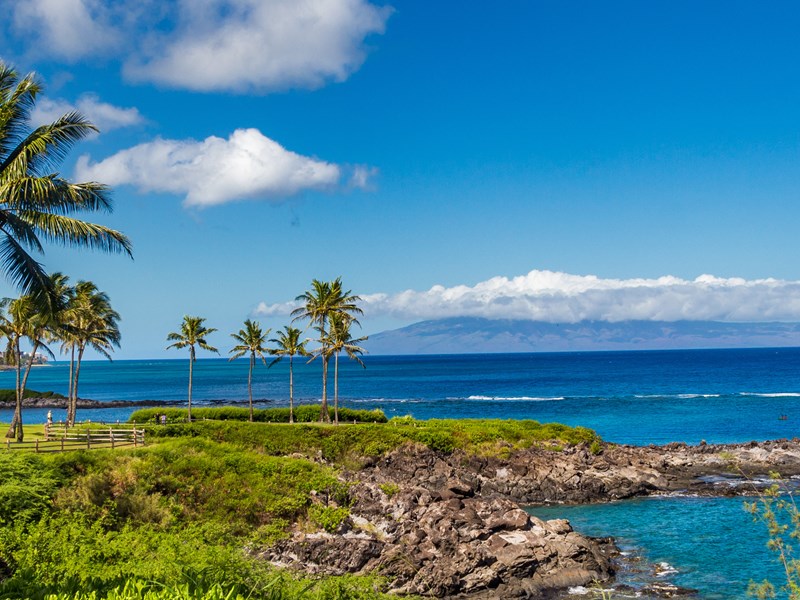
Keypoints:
pixel 8 396
pixel 302 414
pixel 777 509
pixel 350 444
pixel 184 516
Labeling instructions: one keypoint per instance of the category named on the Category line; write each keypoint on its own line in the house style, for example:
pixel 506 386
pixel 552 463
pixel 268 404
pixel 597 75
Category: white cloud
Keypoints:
pixel 213 171
pixel 105 116
pixel 71 29
pixel 239 45
pixel 564 298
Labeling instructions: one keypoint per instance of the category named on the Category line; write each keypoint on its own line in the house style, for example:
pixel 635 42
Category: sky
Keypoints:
pixel 519 159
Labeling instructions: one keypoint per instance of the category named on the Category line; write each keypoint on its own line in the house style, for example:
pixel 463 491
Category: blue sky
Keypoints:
pixel 444 158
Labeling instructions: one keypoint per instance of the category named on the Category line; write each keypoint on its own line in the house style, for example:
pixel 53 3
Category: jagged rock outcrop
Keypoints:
pixel 576 475
pixel 450 543
pixel 450 525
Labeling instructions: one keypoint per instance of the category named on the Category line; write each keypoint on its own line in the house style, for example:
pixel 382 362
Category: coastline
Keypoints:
pixel 458 518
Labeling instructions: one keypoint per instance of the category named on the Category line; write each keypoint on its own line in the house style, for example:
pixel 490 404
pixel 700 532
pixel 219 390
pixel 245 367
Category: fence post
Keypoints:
pixel 111 435
pixel 62 444
pixel 88 439
pixel 37 447
pixel 135 437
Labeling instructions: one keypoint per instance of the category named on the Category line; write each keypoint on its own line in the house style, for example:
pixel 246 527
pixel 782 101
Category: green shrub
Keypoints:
pixel 27 485
pixel 9 396
pixel 328 518
pixel 390 489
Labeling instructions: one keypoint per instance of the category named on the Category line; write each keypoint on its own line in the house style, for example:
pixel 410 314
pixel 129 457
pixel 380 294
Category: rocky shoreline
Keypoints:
pixel 84 403
pixel 452 525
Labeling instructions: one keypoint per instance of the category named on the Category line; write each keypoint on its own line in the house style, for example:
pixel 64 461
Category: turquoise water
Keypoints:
pixel 627 397
pixel 712 544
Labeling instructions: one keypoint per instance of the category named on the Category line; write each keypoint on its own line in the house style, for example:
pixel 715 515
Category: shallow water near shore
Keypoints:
pixel 711 545
pixel 627 397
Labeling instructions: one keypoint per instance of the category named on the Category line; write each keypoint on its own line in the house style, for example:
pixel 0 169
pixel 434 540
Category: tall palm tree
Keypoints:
pixel 289 344
pixel 341 340
pixel 323 299
pixel 91 323
pixel 21 318
pixel 193 333
pixel 251 341
pixel 36 204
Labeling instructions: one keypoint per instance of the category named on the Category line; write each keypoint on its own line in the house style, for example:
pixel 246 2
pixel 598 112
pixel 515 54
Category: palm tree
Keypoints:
pixel 22 318
pixel 193 333
pixel 340 340
pixel 289 344
pixel 36 204
pixel 90 323
pixel 251 340
pixel 324 299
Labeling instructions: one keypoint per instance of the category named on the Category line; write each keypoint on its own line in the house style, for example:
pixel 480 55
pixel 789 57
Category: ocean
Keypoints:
pixel 627 397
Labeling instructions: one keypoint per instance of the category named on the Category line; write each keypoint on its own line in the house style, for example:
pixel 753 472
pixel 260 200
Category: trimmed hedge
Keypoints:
pixel 304 413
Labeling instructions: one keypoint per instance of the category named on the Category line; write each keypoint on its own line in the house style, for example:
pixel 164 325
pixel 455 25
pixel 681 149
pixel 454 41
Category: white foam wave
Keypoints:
pixel 512 398
pixel 772 395
pixel 687 396
pixel 664 568
pixel 385 400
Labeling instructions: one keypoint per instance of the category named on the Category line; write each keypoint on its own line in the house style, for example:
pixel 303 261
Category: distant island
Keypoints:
pixel 463 335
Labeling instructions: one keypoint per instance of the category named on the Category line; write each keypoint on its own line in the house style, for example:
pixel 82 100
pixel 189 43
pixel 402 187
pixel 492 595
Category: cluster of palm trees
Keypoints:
pixel 36 205
pixel 329 309
pixel 76 317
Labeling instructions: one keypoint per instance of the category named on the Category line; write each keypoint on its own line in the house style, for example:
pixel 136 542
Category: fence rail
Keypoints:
pixel 59 438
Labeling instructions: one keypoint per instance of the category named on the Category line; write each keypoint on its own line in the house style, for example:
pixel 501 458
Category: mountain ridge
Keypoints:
pixel 467 335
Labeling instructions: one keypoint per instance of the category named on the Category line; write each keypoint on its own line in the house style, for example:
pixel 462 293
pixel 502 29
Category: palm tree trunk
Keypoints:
pixel 336 389
pixel 15 430
pixel 250 384
pixel 28 368
pixel 291 389
pixel 191 365
pixel 71 368
pixel 324 415
pixel 73 408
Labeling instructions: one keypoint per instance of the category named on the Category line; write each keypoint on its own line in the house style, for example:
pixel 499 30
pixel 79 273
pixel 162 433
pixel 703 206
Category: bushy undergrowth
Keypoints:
pixel 304 413
pixel 179 511
pixel 277 586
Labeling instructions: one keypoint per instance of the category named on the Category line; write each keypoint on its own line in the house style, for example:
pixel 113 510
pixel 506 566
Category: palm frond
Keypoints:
pixel 74 232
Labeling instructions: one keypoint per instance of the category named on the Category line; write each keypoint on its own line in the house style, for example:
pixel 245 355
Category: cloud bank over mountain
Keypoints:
pixel 466 335
pixel 554 297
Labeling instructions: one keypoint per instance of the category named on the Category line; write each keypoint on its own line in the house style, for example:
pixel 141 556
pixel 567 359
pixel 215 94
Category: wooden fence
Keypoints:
pixel 59 438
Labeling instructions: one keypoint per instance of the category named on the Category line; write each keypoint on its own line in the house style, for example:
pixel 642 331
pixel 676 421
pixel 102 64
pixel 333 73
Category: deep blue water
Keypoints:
pixel 627 397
